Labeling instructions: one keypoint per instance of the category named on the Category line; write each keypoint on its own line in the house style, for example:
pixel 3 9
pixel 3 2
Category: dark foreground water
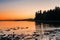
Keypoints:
pixel 27 30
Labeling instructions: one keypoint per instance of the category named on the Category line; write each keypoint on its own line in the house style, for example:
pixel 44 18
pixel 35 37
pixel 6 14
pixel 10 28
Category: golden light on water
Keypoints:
pixel 24 27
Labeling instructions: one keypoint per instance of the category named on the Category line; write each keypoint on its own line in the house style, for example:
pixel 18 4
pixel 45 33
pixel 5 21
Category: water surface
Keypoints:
pixel 27 28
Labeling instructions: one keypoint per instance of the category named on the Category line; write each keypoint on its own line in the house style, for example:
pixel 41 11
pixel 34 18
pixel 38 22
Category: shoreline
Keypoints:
pixel 37 21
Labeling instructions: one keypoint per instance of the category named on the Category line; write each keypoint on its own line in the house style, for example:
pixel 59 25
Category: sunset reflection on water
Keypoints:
pixel 19 27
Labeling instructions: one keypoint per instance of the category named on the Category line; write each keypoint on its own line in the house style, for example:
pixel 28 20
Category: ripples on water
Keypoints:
pixel 23 30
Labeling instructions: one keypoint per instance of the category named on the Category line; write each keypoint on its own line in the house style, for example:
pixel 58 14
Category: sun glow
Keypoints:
pixel 24 9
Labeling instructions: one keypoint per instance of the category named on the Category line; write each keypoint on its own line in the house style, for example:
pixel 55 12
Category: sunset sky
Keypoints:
pixel 23 9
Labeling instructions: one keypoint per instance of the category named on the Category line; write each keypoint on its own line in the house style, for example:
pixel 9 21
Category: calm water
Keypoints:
pixel 25 27
pixel 18 27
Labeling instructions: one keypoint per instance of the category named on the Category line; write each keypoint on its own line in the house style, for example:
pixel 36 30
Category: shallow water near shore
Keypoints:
pixel 29 28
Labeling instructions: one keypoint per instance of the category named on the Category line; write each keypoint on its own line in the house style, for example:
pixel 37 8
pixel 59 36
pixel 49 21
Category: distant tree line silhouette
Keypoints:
pixel 49 15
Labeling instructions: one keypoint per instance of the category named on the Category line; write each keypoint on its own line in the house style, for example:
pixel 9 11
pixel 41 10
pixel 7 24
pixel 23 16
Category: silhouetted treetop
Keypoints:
pixel 52 14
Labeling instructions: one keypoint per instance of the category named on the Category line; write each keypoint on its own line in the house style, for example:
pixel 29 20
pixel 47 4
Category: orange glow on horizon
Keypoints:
pixel 24 9
pixel 12 15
